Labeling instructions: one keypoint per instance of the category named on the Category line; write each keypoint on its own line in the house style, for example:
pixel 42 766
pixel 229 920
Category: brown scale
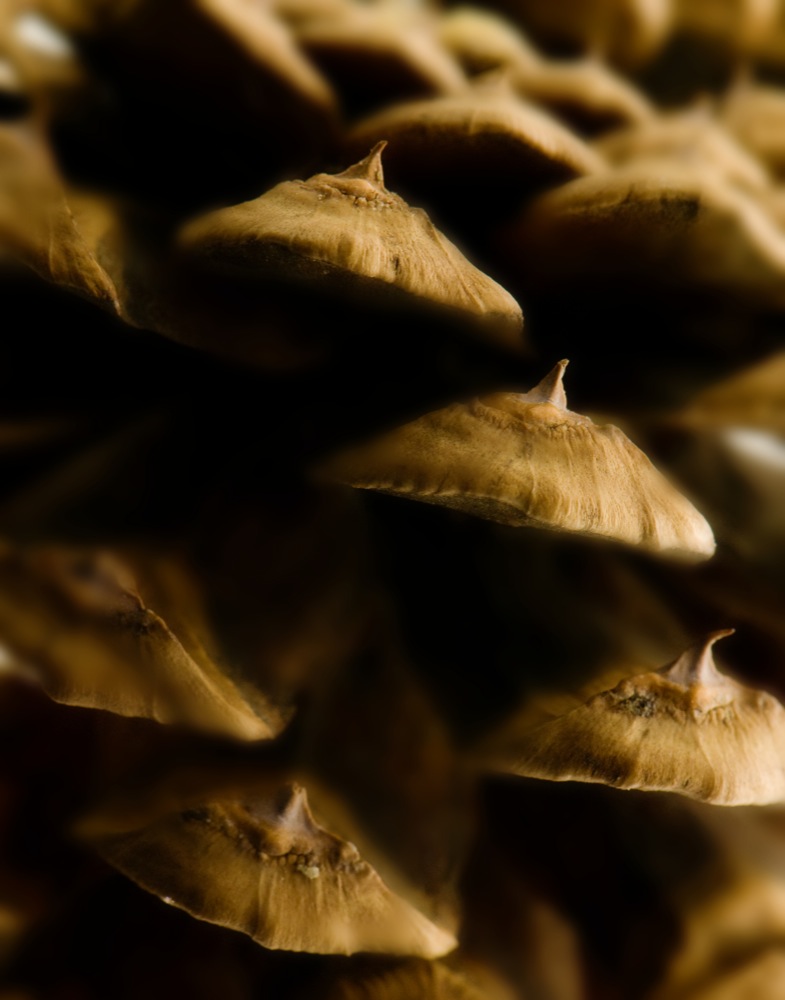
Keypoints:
pixel 264 866
pixel 686 728
pixel 76 619
pixel 345 234
pixel 524 459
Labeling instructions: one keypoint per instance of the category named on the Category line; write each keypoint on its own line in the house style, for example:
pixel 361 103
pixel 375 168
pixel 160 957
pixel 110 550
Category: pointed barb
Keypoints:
pixel 551 388
pixel 696 667
pixel 292 801
pixel 369 169
pixel 294 811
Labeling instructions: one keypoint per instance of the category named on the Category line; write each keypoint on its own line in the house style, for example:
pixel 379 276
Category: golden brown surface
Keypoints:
pixel 245 865
pixel 527 460
pixel 36 226
pixel 686 729
pixel 103 648
pixel 349 230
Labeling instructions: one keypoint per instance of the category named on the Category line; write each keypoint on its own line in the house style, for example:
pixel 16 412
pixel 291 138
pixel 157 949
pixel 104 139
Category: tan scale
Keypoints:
pixel 583 92
pixel 348 234
pixel 730 907
pixel 482 41
pixel 487 131
pixel 228 40
pixel 690 137
pixel 75 618
pixel 753 397
pixel 686 728
pixel 267 868
pixel 526 460
pixel 386 48
pixel 626 33
pixel 37 229
pixel 657 225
